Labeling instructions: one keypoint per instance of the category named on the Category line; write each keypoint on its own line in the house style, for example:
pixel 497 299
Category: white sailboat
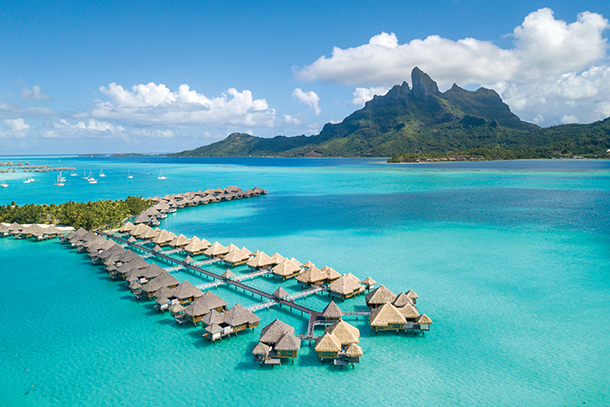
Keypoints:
pixel 161 176
pixel 74 174
pixel 91 179
pixel 85 174
pixel 3 184
pixel 61 178
pixel 59 182
pixel 102 175
pixel 129 174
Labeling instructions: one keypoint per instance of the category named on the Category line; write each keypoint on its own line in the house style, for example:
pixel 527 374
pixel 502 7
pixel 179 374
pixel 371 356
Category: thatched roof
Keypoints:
pixel 280 293
pixel 385 315
pixel 296 262
pixel 232 247
pixel 246 251
pixel 235 256
pixel 409 311
pixel 261 349
pixel 353 277
pixel 285 268
pixel 260 260
pixel 344 286
pixel 150 234
pixel 311 275
pixel 401 300
pixel 411 294
pixel 216 249
pixel 131 239
pixel 274 331
pixel 134 285
pixel 163 237
pixel 196 245
pixel 162 280
pixel 228 274
pixel 141 228
pixel 353 351
pixel 162 300
pixel 380 295
pixel 179 241
pixel 277 258
pixel 327 343
pixel 189 260
pixel 157 248
pixel 212 317
pixel 36 230
pixel 344 332
pixel 142 218
pixel 331 273
pixel 332 311
pixel 149 272
pixel 424 319
pixel 202 305
pixel 369 281
pixel 288 342
pixel 238 315
pixel 187 290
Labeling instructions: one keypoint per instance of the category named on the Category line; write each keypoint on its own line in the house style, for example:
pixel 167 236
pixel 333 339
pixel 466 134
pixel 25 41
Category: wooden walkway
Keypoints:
pixel 201 271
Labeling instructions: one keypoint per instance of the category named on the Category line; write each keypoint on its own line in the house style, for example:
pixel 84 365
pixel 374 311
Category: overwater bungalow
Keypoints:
pixel 411 294
pixel 177 310
pixel 401 300
pixel 331 274
pixel 53 231
pixel 142 219
pixel 138 272
pixel 216 250
pixel 239 318
pixel 126 227
pixel 286 269
pixel 150 234
pixel 139 229
pixel 387 317
pixel 409 312
pixel 311 276
pixel 15 228
pixel 287 347
pixel 327 346
pixel 186 293
pixel 272 333
pixel 353 277
pixel 379 296
pixel 345 333
pixel 162 280
pixel 260 260
pixel 261 352
pixel 202 305
pixel 332 312
pixel 369 283
pixel 246 251
pixel 163 238
pixel 424 322
pixel 353 353
pixel 345 287
pixel 212 317
pixel 4 230
pixel 189 260
pixel 277 258
pixel 196 246
pixel 136 288
pixel 235 258
pixel 308 265
pixel 179 241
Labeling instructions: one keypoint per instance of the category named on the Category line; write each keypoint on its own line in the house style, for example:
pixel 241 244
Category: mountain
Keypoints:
pixel 422 121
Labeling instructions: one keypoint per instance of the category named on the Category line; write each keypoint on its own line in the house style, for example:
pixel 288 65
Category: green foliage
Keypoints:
pixel 88 215
pixel 423 122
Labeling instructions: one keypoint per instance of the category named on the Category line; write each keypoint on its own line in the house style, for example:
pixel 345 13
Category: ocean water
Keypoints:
pixel 511 260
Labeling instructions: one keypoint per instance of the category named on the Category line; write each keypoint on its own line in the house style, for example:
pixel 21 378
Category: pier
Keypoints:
pixel 233 282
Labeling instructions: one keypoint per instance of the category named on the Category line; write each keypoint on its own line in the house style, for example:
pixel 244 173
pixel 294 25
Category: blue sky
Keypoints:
pixel 154 76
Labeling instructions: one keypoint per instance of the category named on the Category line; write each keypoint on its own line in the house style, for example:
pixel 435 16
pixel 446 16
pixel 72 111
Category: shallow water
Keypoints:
pixel 510 260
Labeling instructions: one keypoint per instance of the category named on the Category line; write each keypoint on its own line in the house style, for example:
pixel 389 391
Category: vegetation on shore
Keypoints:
pixel 423 122
pixel 89 215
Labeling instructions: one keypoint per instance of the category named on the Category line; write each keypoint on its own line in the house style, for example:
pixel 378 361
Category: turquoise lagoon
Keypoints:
pixel 510 260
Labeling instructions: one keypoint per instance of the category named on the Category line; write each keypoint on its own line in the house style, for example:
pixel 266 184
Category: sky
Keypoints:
pixel 166 76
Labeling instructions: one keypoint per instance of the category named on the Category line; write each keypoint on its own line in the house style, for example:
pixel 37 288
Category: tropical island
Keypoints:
pixel 421 123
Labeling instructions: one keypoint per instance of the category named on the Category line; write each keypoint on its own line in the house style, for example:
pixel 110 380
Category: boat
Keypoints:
pixel 59 182
pixel 92 180
pixel 129 175
pixel 27 181
pixel 3 184
pixel 60 178
pixel 74 174
pixel 85 175
pixel 161 176
pixel 102 175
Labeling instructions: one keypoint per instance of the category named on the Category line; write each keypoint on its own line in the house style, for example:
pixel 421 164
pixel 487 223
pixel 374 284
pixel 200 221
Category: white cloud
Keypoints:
pixel 310 98
pixel 565 119
pixel 92 126
pixel 363 95
pixel 154 104
pixel 16 124
pixel 291 120
pixel 14 111
pixel 542 72
pixel 34 94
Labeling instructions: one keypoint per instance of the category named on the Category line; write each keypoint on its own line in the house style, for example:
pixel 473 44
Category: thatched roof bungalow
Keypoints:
pixel 345 287
pixel 332 312
pixel 379 296
pixel 288 346
pixel 260 260
pixel 216 250
pixel 204 304
pixel 272 333
pixel 344 332
pixel 311 276
pixel 162 280
pixel 187 292
pixel 286 269
pixel 235 258
pixel 327 346
pixel 424 322
pixel 387 317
